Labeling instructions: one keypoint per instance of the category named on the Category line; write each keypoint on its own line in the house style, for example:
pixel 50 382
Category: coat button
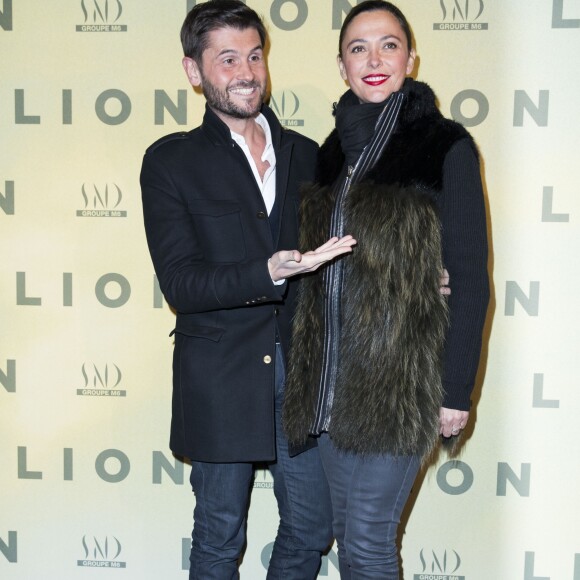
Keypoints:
pixel 276 312
pixel 267 359
pixel 261 215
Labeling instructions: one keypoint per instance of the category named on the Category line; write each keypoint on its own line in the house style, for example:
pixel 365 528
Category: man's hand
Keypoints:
pixel 452 421
pixel 287 263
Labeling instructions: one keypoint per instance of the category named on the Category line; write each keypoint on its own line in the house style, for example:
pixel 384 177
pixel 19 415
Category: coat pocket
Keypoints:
pixel 196 331
pixel 218 226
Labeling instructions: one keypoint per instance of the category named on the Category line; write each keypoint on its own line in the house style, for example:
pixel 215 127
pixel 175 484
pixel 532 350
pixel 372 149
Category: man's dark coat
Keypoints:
pixel 210 237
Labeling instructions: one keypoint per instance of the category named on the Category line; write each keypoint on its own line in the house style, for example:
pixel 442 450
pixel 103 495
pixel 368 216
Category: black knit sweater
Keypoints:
pixel 462 214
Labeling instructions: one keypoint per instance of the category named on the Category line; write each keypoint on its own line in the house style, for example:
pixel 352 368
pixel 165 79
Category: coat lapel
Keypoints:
pixel 283 157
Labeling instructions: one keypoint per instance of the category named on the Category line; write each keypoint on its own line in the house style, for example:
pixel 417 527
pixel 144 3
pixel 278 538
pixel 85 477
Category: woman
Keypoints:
pixel 382 364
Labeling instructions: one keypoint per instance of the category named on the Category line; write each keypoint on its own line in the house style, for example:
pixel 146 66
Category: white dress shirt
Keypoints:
pixel 268 184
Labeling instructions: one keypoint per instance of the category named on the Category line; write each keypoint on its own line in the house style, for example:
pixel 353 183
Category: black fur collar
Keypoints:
pixel 419 105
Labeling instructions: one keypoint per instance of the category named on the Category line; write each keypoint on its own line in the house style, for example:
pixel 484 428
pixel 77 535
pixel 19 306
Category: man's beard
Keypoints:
pixel 221 101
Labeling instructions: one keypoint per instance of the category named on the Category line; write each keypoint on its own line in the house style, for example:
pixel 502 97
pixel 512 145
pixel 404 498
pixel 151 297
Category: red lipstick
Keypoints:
pixel 376 79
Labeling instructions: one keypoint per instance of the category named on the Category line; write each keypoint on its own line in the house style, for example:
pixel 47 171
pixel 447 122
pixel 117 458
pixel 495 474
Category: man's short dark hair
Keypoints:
pixel 212 15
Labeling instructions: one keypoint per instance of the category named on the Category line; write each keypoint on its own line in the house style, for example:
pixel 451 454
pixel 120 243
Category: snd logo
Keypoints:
pixel 439 566
pixel 286 104
pixel 101 381
pixel 101 201
pixel 463 14
pixel 101 553
pixel 101 16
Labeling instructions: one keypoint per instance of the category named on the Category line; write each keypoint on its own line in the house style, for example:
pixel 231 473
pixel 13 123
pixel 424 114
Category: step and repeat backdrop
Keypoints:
pixel 88 486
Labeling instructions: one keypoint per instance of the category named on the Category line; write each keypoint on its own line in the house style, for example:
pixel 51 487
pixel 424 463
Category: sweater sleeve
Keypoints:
pixel 464 232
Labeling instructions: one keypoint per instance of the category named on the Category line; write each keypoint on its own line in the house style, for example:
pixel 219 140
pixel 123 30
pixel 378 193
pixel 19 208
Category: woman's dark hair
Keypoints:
pixel 369 6
pixel 212 15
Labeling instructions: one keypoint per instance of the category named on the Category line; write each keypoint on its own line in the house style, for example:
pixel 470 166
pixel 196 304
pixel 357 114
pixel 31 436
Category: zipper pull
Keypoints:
pixel 350 170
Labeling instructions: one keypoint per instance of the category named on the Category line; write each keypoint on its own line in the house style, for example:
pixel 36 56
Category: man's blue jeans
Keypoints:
pixel 222 494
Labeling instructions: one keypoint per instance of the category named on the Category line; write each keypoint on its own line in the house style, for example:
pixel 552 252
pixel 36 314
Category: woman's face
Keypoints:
pixel 375 58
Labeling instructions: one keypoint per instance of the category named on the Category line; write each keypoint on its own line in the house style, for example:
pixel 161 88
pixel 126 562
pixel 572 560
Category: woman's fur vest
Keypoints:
pixel 388 391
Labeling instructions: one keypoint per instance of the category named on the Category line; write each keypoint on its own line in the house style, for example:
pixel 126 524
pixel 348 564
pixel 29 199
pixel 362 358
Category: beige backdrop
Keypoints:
pixel 86 478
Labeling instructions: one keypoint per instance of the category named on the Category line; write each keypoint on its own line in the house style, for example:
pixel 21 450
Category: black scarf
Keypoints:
pixel 355 123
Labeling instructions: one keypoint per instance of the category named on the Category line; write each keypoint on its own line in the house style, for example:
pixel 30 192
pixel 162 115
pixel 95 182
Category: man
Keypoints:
pixel 220 207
